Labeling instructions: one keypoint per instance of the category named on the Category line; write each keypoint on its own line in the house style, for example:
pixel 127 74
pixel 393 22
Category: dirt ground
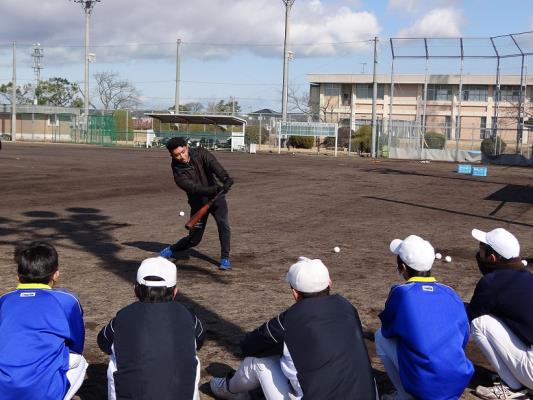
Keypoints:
pixel 107 209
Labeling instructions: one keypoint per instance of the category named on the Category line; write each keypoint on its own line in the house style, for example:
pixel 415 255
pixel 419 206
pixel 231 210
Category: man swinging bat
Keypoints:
pixel 196 172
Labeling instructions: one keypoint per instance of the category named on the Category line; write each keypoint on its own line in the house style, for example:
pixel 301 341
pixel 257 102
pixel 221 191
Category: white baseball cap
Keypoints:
pixel 159 267
pixel 308 276
pixel 502 241
pixel 414 251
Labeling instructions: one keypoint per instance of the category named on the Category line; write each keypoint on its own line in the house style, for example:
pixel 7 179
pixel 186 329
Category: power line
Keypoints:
pixel 134 44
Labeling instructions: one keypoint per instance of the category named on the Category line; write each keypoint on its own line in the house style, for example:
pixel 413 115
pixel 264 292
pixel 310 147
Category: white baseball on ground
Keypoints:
pixel 448 259
pixel 182 213
pixel 336 249
pixel 438 256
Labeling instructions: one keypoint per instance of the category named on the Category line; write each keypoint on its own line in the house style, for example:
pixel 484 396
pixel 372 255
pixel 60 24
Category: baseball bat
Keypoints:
pixel 198 215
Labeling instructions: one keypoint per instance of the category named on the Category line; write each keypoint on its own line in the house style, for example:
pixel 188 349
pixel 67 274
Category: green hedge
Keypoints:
pixel 362 140
pixel 302 142
pixel 434 140
pixel 493 146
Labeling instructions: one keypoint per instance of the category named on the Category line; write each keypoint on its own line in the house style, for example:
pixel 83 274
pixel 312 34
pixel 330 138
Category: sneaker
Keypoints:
pixel 225 264
pixel 219 388
pixel 500 391
pixel 166 252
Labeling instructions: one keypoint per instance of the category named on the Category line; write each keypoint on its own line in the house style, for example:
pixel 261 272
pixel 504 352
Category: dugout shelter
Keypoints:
pixel 218 120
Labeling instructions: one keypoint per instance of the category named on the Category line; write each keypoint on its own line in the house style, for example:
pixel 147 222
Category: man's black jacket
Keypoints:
pixel 197 177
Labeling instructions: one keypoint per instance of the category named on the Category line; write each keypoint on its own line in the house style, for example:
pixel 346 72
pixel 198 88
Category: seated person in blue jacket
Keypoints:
pixel 424 329
pixel 501 314
pixel 41 331
pixel 153 342
pixel 314 349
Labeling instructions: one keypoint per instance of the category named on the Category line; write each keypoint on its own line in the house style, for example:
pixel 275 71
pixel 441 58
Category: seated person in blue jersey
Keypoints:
pixel 501 315
pixel 41 331
pixel 424 330
pixel 153 342
pixel 313 350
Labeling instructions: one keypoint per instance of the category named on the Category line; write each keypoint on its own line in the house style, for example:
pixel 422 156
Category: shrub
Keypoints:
pixel 362 139
pixel 343 138
pixel 302 142
pixel 252 134
pixel 434 140
pixel 493 146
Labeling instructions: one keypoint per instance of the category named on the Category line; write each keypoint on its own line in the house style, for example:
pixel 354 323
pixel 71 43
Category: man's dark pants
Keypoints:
pixel 219 210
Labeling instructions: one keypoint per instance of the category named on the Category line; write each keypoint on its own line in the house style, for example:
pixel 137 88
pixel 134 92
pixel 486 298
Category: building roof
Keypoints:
pixel 266 111
pixel 198 119
pixel 417 79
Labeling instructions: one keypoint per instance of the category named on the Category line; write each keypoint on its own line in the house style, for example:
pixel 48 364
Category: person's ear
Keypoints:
pixel 492 258
pixel 295 294
pixel 55 278
pixel 174 293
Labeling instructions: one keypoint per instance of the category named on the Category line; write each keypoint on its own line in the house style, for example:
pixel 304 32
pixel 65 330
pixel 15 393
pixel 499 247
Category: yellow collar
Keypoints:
pixel 422 279
pixel 33 286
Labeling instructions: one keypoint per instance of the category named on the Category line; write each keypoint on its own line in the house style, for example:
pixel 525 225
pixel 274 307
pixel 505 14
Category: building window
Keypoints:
pixel 448 126
pixel 494 130
pixel 475 93
pixel 483 131
pixel 365 90
pixel 439 92
pixel 53 120
pixel 346 94
pixel 331 89
pixel 509 93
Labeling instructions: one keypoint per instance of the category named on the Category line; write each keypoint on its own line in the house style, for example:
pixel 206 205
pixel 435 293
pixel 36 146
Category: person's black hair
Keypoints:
pixel 176 142
pixel 485 266
pixel 36 262
pixel 151 294
pixel 322 293
pixel 412 272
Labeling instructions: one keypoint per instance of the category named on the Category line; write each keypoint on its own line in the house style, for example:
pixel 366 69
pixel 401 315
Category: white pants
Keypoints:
pixel 112 367
pixel 386 350
pixel 508 355
pixel 77 365
pixel 265 372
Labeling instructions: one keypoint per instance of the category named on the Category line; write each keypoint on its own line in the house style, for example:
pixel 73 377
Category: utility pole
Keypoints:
pixel 88 6
pixel 374 98
pixel 178 62
pixel 14 96
pixel 285 90
pixel 37 54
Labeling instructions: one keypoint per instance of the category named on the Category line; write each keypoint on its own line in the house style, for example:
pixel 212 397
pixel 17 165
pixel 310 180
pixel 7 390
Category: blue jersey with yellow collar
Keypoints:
pixel 429 322
pixel 39 327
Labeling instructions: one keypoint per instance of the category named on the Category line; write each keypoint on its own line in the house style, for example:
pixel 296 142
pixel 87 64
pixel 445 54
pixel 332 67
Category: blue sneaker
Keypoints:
pixel 166 252
pixel 225 264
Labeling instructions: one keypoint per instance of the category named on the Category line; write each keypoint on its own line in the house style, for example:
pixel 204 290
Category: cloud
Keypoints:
pixel 418 6
pixel 122 30
pixel 440 22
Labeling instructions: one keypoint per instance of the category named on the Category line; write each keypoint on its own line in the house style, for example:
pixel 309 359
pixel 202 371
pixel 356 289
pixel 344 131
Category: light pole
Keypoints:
pixel 288 6
pixel 88 6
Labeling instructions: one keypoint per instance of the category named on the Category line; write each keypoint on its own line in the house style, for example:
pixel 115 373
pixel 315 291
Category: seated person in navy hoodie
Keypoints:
pixel 313 350
pixel 41 331
pixel 501 314
pixel 152 342
pixel 424 330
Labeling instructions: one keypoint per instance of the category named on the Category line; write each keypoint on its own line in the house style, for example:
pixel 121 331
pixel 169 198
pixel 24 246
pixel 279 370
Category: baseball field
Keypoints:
pixel 106 209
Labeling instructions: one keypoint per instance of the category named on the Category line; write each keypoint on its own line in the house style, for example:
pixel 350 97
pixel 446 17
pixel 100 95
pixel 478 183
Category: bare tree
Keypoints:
pixel 115 93
pixel 194 107
pixel 299 102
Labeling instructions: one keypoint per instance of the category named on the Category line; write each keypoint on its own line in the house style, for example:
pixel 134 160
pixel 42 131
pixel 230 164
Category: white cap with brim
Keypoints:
pixel 308 276
pixel 415 252
pixel 502 241
pixel 157 267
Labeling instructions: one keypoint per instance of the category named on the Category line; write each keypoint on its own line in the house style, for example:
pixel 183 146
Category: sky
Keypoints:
pixel 234 48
